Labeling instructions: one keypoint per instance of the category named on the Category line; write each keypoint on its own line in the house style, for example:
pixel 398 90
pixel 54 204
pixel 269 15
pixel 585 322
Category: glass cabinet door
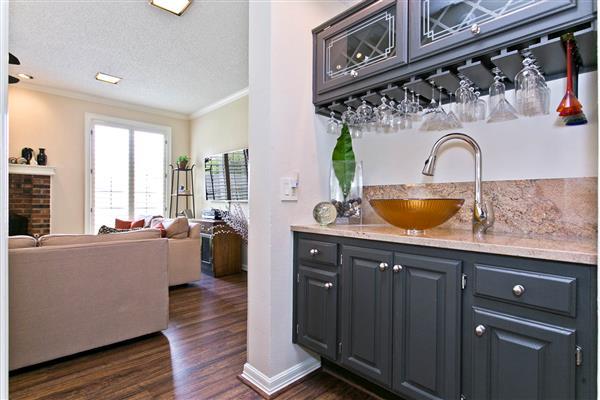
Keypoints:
pixel 437 25
pixel 370 40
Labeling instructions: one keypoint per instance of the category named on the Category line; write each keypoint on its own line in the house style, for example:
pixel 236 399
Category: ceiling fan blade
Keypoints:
pixel 12 79
pixel 13 60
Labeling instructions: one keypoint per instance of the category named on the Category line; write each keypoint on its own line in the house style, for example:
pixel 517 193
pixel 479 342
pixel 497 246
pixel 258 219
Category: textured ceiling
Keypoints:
pixel 179 64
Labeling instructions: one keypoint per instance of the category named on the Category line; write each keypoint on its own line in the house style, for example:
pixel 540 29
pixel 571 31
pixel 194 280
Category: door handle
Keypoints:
pixel 328 285
pixel 480 330
pixel 383 266
pixel 314 252
pixel 397 268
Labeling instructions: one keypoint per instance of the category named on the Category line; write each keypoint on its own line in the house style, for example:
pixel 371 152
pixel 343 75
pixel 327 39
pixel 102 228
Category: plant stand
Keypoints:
pixel 187 192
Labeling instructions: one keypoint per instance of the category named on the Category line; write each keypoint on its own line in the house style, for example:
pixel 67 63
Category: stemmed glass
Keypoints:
pixel 349 117
pixel 480 107
pixel 500 108
pixel 453 120
pixel 464 106
pixel 531 92
pixel 333 127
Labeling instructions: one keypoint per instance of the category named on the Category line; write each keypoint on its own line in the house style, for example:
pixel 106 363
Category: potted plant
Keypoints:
pixel 182 162
pixel 346 180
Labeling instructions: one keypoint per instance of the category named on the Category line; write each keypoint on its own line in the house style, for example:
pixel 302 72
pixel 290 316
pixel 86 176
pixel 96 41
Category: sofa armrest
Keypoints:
pixel 184 260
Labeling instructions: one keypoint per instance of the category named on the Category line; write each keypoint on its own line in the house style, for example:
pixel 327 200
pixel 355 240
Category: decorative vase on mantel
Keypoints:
pixel 347 196
pixel 42 158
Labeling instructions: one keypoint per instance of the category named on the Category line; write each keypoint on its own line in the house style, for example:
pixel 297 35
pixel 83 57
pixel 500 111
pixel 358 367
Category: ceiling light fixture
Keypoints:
pixel 100 76
pixel 25 76
pixel 176 7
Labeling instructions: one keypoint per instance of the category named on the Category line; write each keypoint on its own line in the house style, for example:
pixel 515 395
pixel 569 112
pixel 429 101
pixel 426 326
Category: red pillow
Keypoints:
pixel 121 224
pixel 163 231
pixel 138 224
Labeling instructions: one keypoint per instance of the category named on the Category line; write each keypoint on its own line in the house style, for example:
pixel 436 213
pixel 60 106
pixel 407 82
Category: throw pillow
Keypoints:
pixel 163 231
pixel 177 228
pixel 104 230
pixel 121 224
pixel 137 224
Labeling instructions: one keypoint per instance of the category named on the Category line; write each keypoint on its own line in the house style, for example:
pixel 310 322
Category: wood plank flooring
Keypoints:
pixel 198 357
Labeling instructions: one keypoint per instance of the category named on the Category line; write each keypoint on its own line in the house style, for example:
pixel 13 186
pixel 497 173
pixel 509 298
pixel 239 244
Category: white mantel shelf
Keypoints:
pixel 30 169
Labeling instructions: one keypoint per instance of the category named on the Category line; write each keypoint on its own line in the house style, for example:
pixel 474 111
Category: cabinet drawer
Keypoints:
pixel 530 289
pixel 316 251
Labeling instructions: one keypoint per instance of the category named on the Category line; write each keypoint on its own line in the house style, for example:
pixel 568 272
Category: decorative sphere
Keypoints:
pixel 324 213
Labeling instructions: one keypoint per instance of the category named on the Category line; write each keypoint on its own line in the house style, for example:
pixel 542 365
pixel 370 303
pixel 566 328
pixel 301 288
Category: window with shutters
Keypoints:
pixel 128 163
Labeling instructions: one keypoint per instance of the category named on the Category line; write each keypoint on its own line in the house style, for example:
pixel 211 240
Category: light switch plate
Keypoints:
pixel 289 188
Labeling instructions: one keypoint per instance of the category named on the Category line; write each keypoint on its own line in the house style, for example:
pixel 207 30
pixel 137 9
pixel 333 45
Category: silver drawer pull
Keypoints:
pixel 314 252
pixel 397 268
pixel 479 330
pixel 518 290
pixel 383 266
pixel 328 285
pixel 354 73
pixel 475 29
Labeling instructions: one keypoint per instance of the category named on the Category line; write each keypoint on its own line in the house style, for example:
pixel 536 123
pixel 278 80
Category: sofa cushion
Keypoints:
pixel 21 242
pixel 176 228
pixel 137 224
pixel 67 239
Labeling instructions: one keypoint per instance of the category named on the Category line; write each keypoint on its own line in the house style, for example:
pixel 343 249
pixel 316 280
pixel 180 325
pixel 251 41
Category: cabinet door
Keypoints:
pixel 439 25
pixel 367 312
pixel 427 321
pixel 365 42
pixel 317 310
pixel 520 359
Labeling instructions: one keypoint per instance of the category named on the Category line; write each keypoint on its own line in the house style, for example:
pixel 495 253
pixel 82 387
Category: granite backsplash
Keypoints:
pixel 558 208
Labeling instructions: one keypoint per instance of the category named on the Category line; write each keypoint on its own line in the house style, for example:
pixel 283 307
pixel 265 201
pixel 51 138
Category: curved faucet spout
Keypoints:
pixel 482 215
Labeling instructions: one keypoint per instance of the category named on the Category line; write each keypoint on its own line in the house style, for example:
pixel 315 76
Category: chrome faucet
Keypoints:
pixel 483 213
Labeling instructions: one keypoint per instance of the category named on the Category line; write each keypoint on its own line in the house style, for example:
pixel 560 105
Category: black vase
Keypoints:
pixel 42 158
pixel 27 154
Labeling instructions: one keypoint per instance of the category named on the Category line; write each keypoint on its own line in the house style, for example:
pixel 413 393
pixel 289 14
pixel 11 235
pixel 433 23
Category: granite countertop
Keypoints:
pixel 573 251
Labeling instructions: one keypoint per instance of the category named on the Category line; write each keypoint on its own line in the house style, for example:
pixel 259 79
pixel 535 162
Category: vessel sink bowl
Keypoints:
pixel 416 215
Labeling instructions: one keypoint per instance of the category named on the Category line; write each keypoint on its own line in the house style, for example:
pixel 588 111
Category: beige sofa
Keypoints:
pixel 68 298
pixel 71 293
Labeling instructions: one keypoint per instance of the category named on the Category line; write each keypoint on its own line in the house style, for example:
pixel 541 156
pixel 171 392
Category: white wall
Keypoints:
pixel 218 131
pixel 285 136
pixel 535 147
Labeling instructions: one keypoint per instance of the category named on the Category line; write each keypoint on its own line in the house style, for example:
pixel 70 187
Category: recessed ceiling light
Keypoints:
pixel 25 76
pixel 107 78
pixel 176 7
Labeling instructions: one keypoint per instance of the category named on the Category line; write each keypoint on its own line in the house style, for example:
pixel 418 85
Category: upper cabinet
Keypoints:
pixel 381 42
pixel 441 25
pixel 367 41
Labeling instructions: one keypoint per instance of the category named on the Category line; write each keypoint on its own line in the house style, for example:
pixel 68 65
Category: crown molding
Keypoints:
pixel 229 99
pixel 101 100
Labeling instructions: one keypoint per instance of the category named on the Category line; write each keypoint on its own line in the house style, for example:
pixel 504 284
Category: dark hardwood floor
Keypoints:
pixel 198 357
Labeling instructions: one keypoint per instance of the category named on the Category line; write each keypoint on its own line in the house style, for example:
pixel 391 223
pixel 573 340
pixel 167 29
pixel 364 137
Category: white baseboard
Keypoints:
pixel 271 385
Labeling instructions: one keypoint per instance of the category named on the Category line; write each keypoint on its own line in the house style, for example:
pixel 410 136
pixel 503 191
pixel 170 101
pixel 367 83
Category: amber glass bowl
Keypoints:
pixel 416 215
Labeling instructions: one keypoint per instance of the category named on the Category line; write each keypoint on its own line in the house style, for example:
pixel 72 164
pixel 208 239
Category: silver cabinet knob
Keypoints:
pixel 314 252
pixel 328 285
pixel 475 29
pixel 397 268
pixel 518 290
pixel 479 330
pixel 354 73
pixel 383 266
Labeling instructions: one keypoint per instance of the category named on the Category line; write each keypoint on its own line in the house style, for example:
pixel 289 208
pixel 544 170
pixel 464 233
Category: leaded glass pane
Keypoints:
pixel 441 18
pixel 372 41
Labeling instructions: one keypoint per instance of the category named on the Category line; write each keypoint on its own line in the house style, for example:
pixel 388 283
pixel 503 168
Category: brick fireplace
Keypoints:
pixel 29 201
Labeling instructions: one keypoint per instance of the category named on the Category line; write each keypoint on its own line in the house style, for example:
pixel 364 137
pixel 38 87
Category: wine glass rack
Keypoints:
pixel 548 50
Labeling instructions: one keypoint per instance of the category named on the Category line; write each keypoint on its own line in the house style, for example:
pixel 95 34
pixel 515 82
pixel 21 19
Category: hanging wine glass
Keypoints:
pixel 453 120
pixel 500 108
pixel 333 127
pixel 463 102
pixel 530 90
pixel 364 113
pixel 480 107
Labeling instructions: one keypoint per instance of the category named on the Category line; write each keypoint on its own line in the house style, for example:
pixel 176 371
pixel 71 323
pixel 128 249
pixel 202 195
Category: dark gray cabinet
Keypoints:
pixel 367 312
pixel 439 26
pixel 387 42
pixel 317 310
pixel 426 334
pixel 435 324
pixel 371 39
pixel 520 359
